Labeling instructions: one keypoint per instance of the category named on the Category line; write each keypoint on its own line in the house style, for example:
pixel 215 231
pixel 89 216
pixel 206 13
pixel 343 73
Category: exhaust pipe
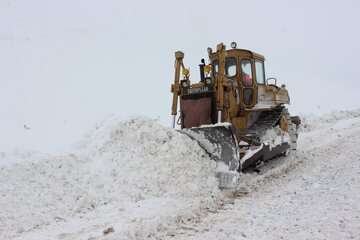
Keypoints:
pixel 173 121
pixel 219 117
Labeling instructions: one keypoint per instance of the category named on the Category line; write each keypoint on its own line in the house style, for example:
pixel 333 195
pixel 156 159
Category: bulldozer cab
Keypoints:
pixel 228 86
pixel 243 69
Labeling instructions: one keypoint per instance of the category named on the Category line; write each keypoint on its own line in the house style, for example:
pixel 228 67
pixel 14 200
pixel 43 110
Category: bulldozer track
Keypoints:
pixel 266 120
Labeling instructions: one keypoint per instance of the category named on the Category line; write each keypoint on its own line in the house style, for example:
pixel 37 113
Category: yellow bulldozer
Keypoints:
pixel 235 114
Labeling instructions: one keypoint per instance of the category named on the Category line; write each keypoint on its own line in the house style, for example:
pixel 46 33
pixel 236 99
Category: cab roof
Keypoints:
pixel 253 54
pixel 241 53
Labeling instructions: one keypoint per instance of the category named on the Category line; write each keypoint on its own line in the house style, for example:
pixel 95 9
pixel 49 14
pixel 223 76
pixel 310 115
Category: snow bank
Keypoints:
pixel 313 122
pixel 136 176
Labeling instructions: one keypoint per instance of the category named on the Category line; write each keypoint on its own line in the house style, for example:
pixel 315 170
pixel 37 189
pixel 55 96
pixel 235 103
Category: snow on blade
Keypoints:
pixel 274 137
pixel 200 138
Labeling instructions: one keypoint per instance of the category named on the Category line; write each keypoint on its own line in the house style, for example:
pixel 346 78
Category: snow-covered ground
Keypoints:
pixel 138 180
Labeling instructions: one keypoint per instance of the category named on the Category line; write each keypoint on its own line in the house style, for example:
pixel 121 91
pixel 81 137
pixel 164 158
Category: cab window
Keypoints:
pixel 260 74
pixel 248 96
pixel 215 66
pixel 230 67
pixel 246 72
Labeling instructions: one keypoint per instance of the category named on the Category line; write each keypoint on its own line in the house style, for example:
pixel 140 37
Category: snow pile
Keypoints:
pixel 135 176
pixel 149 158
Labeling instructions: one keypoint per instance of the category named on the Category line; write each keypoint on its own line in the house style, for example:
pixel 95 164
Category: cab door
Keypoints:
pixel 248 82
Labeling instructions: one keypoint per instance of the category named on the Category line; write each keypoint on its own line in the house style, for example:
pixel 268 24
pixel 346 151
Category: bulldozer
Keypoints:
pixel 236 114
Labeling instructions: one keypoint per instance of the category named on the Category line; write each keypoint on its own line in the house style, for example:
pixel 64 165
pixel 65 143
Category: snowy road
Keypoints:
pixel 140 180
pixel 317 199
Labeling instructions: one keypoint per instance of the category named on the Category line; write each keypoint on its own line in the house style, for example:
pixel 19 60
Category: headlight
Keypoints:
pixel 208 81
pixel 184 84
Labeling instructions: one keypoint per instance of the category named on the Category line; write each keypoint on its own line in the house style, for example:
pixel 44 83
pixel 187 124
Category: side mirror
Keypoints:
pixel 271 79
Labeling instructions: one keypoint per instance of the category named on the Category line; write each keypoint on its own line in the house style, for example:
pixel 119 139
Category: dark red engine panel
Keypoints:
pixel 195 112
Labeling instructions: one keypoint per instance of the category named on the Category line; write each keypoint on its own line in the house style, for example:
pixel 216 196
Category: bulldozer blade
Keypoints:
pixel 220 142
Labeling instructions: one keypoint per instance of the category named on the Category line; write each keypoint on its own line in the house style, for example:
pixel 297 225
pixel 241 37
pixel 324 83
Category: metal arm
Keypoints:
pixel 175 88
pixel 220 80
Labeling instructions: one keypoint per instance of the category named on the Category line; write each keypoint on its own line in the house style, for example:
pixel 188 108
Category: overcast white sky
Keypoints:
pixel 65 65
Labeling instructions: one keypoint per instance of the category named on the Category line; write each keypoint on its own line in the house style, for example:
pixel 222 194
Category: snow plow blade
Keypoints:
pixel 219 141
